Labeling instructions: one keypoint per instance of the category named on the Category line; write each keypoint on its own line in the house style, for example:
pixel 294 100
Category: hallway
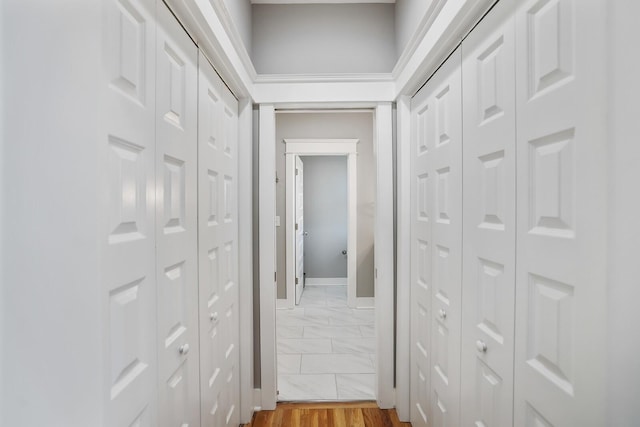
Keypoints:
pixel 326 350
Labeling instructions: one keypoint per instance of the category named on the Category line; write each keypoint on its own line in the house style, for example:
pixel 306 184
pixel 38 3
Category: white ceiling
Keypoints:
pixel 319 1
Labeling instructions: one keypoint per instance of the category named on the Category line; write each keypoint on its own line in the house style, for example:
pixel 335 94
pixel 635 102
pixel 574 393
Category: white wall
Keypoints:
pixel 332 125
pixel 623 378
pixel 408 14
pixel 240 11
pixel 2 207
pixel 327 38
pixel 51 344
pixel 325 216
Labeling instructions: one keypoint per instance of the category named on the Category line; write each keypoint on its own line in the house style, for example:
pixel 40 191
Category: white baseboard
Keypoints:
pixel 257 399
pixel 328 281
pixel 365 302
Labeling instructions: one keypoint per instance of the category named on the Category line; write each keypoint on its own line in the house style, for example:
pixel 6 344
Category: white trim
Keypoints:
pixel 403 258
pixel 334 92
pixel 365 302
pixel 318 1
pixel 326 281
pixel 315 147
pixel 267 251
pixel 383 254
pixel 290 235
pixel 325 78
pixel 245 253
pixel 257 400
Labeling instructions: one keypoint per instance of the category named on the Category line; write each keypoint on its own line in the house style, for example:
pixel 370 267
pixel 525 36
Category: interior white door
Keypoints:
pixel 128 237
pixel 489 227
pixel 218 249
pixel 437 247
pixel 176 223
pixel 299 212
pixel 561 205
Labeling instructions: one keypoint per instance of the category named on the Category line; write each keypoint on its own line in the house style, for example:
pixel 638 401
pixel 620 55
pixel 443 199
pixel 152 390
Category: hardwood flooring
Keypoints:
pixel 341 414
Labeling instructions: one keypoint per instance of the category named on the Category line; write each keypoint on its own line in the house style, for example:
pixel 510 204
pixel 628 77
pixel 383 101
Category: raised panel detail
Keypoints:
pixel 214 278
pixel 442 196
pixel 423 265
pixel 488 83
pixel 440 411
pixel 129 61
pixel 535 419
pixel 228 199
pixel 177 90
pixel 493 190
pixel 422 338
pixel 442 274
pixel 178 396
pixel 174 195
pixel 213 120
pixel 550 36
pixel 142 420
pixel 490 287
pixel 443 134
pixel 441 352
pixel 228 266
pixel 488 390
pixel 423 396
pixel 423 131
pixel 423 197
pixel 127 195
pixel 552 185
pixel 213 198
pixel 173 303
pixel 550 340
pixel 229 132
pixel 126 336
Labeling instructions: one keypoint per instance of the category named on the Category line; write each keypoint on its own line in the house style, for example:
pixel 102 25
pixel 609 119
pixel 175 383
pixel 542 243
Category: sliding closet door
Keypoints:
pixel 437 258
pixel 560 288
pixel 488 87
pixel 176 223
pixel 218 249
pixel 128 198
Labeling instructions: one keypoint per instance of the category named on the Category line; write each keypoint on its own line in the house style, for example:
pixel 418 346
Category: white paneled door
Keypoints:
pixel 218 249
pixel 437 247
pixel 128 196
pixel 561 204
pixel 299 208
pixel 489 228
pixel 176 223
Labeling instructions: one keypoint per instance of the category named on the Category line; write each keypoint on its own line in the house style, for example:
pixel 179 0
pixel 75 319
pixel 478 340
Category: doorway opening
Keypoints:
pixel 333 357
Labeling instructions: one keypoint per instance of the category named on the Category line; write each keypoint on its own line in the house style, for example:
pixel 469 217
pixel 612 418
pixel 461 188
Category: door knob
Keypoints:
pixel 442 314
pixel 344 252
pixel 213 316
pixel 481 346
pixel 305 233
pixel 184 349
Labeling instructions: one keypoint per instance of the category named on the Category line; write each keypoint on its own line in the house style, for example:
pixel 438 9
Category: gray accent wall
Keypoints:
pixel 323 38
pixel 240 12
pixel 326 214
pixel 344 124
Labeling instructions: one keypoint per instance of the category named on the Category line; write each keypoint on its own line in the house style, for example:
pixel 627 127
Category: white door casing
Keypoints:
pixel 128 238
pixel 561 213
pixel 176 223
pixel 489 228
pixel 218 260
pixel 299 228
pixel 437 263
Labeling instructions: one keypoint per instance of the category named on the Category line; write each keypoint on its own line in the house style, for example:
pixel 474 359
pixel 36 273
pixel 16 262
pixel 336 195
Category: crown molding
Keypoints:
pixel 324 78
pixel 319 1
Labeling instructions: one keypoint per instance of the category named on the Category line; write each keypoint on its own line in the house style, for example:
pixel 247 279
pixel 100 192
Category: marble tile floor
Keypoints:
pixel 325 350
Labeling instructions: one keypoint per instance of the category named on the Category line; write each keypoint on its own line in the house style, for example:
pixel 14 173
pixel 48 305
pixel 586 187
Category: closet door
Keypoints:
pixel 437 261
pixel 218 249
pixel 176 223
pixel 561 271
pixel 489 158
pixel 128 200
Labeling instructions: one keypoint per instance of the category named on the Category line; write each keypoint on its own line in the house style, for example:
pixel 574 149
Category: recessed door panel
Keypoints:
pixel 176 216
pixel 561 272
pixel 128 234
pixel 218 249
pixel 489 157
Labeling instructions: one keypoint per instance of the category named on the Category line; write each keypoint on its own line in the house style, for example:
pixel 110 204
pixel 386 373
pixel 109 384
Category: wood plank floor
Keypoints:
pixel 340 414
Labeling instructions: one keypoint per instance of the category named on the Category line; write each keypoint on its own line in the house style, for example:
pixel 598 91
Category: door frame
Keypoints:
pixel 384 250
pixel 321 147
